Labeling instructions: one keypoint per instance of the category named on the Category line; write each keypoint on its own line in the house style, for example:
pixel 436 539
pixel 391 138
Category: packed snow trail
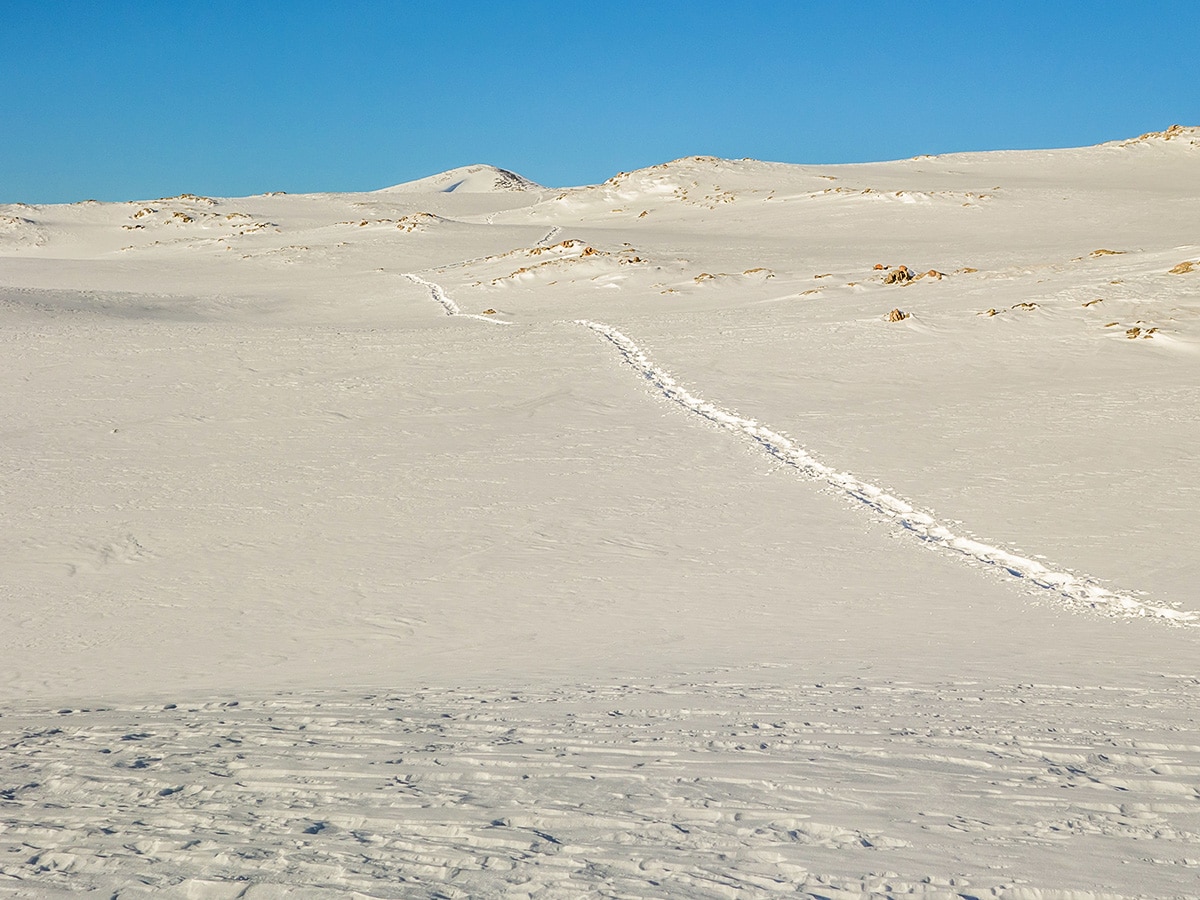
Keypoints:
pixel 452 309
pixel 1080 591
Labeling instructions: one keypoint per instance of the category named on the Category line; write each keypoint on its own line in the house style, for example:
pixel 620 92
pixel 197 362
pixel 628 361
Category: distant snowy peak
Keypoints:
pixel 467 180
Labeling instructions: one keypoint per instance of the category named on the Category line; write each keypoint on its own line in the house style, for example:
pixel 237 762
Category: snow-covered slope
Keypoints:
pixel 650 538
pixel 467 179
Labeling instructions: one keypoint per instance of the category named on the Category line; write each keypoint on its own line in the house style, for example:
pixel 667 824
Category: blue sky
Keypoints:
pixel 123 100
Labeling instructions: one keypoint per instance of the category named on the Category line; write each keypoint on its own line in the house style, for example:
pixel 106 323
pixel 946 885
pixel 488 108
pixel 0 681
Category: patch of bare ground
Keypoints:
pixel 1175 132
pixel 1184 267
pixel 562 245
pixel 897 315
pixel 418 221
pixel 586 253
pixel 158 216
pixel 1025 306
pixel 190 198
pixel 1135 330
pixel 904 275
pixel 760 271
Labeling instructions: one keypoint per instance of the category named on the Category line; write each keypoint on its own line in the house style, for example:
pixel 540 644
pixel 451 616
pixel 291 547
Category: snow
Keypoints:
pixel 467 179
pixel 700 578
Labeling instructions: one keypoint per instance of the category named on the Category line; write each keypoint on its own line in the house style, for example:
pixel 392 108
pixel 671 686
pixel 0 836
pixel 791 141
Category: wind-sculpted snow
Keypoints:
pixel 1078 590
pixel 662 790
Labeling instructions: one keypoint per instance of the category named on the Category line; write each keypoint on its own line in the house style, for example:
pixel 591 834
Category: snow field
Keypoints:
pixel 315 587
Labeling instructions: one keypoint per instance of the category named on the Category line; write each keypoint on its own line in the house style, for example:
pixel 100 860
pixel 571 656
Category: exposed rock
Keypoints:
pixel 1183 268
pixel 896 315
pixel 1102 252
pixel 418 221
pixel 1175 131
pixel 899 275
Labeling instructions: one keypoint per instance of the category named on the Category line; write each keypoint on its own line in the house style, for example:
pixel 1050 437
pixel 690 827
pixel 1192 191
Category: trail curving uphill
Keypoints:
pixel 1078 590
pixel 452 309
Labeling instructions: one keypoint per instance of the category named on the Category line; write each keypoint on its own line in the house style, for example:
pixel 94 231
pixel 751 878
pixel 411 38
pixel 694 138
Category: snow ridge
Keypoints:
pixel 452 309
pixel 1080 591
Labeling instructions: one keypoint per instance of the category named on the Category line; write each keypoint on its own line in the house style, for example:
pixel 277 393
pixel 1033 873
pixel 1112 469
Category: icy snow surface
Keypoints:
pixel 704 577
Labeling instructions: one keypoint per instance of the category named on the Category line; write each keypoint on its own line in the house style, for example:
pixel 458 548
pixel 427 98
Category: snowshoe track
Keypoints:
pixel 438 293
pixel 1080 591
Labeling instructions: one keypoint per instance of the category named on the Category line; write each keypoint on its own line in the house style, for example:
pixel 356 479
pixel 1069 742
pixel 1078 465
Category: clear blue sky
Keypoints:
pixel 124 100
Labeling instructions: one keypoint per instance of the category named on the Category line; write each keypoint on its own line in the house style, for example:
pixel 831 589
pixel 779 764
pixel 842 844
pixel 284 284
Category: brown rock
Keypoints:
pixel 896 315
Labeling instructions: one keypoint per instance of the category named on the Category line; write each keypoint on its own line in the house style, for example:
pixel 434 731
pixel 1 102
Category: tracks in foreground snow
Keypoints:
pixel 1079 590
pixel 693 790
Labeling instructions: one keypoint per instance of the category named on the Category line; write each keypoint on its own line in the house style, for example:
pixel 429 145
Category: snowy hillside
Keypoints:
pixel 726 529
pixel 468 180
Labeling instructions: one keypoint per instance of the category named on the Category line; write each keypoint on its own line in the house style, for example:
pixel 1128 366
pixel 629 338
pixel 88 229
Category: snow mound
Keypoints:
pixel 18 231
pixel 466 179
pixel 1184 134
